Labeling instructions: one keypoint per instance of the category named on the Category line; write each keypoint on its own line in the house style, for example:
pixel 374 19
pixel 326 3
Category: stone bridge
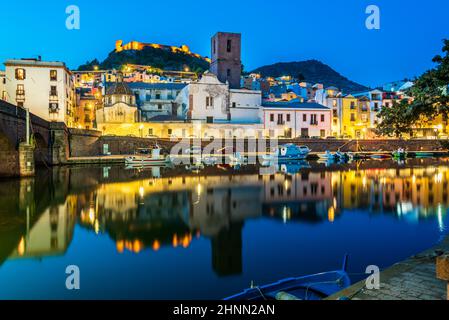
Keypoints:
pixel 16 157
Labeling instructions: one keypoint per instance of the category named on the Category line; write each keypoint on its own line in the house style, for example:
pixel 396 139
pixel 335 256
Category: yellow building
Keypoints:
pixel 355 117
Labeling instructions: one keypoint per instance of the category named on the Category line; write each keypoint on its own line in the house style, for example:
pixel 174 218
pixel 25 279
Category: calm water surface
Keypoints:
pixel 172 234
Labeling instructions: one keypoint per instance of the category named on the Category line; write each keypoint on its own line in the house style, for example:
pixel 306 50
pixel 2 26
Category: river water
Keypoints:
pixel 169 233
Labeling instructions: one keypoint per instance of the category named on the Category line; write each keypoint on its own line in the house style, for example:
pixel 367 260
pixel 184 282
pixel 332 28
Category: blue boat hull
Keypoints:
pixel 314 287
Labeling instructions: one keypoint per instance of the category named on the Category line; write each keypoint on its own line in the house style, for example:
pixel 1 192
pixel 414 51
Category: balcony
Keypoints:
pixel 20 95
pixel 53 95
pixel 313 123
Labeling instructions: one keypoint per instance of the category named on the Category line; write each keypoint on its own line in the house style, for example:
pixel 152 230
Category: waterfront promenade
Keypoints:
pixel 412 279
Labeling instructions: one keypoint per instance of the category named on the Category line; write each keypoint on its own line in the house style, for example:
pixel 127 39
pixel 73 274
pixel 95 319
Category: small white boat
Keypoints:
pixel 288 152
pixel 237 158
pixel 210 161
pixel 148 157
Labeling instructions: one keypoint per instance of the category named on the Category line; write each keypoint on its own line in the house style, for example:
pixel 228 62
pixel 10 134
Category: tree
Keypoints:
pixel 396 119
pixel 430 91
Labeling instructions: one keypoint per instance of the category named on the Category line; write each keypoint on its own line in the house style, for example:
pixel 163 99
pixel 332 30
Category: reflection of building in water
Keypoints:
pixel 306 196
pixel 50 235
pixel 417 192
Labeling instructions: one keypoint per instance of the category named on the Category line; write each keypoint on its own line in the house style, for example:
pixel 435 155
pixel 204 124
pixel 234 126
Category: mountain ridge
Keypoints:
pixel 313 71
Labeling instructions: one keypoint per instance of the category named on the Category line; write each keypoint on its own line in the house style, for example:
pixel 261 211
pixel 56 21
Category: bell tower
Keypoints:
pixel 226 61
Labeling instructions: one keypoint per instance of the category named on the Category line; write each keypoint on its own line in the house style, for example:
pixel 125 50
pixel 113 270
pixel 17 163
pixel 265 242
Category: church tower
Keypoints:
pixel 226 61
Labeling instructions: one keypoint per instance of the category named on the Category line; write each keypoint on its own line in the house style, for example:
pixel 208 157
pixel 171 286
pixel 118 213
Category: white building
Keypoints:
pixel 296 120
pixel 157 99
pixel 45 88
pixel 3 94
pixel 211 101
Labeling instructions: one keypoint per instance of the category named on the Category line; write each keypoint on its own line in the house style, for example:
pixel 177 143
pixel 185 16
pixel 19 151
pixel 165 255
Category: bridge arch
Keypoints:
pixel 9 157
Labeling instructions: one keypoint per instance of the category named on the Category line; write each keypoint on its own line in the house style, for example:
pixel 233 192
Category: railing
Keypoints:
pixel 53 95
pixel 20 95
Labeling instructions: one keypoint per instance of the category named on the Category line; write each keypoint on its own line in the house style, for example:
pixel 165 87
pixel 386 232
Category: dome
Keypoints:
pixel 119 88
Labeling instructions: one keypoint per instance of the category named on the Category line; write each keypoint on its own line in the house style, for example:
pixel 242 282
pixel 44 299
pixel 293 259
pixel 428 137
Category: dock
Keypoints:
pixel 117 159
pixel 412 279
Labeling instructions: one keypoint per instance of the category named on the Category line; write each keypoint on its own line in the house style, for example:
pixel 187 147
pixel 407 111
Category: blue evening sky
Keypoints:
pixel 290 30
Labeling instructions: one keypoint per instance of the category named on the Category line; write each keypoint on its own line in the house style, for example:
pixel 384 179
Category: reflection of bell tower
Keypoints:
pixel 227 250
pixel 54 217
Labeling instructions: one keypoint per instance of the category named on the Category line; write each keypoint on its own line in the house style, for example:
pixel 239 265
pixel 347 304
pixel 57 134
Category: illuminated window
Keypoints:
pixel 53 75
pixel 20 89
pixel 20 74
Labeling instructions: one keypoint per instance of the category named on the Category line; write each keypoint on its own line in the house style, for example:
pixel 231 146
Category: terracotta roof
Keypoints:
pixel 119 88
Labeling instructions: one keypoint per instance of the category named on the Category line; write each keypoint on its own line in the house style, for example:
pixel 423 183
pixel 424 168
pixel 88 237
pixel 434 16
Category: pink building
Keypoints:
pixel 296 119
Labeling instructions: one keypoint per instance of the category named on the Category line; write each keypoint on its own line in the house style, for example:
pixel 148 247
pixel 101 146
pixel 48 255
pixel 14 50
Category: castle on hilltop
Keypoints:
pixel 136 45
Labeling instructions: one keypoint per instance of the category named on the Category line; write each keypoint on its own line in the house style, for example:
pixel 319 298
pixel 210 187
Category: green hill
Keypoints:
pixel 312 71
pixel 149 56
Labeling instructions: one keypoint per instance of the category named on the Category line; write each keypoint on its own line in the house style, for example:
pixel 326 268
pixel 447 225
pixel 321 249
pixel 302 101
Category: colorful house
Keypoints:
pixel 296 119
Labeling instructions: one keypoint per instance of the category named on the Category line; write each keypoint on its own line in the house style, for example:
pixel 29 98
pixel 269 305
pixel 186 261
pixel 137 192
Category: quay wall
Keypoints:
pixel 85 143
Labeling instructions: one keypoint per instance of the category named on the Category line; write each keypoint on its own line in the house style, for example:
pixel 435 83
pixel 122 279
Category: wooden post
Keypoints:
pixel 443 270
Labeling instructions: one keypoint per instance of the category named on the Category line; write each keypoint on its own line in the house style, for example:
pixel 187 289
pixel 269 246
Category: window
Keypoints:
pixel 214 46
pixel 20 104
pixel 170 131
pixel 53 91
pixel 272 117
pixel 304 117
pixel 234 104
pixel 53 107
pixel 322 118
pixel 352 105
pixel 158 96
pixel 159 106
pixel 210 119
pixel 20 89
pixel 209 102
pixel 229 45
pixel 352 117
pixel 313 119
pixel 4 95
pixel 150 131
pixel 322 133
pixel 53 75
pixel 228 72
pixel 280 119
pixel 288 117
pixel 148 97
pixel 20 74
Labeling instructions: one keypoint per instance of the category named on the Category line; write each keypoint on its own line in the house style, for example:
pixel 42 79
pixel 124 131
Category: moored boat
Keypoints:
pixel 380 156
pixel 400 154
pixel 311 287
pixel 288 152
pixel 147 157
